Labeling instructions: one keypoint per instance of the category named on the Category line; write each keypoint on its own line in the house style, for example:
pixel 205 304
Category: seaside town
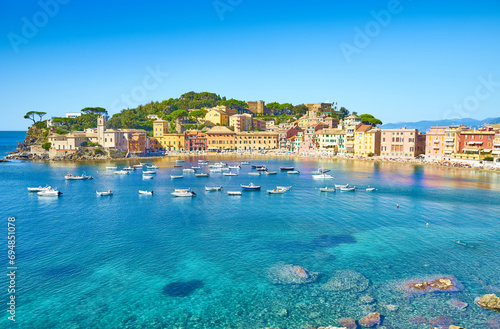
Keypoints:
pixel 322 130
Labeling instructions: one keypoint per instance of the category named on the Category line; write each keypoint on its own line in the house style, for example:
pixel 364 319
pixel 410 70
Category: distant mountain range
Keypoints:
pixel 423 126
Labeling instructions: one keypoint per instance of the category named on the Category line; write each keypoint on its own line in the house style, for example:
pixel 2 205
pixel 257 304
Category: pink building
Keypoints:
pixel 402 143
pixel 435 144
pixel 305 143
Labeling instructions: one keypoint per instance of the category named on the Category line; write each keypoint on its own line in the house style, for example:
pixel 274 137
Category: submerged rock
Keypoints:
pixel 458 304
pixel 182 288
pixel 370 320
pixel 290 274
pixel 490 301
pixel 348 323
pixel 347 280
pixel 445 283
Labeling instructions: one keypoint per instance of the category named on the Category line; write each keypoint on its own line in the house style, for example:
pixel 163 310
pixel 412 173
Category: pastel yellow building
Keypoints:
pixel 220 138
pixel 217 117
pixel 173 142
pixel 256 140
pixel 367 140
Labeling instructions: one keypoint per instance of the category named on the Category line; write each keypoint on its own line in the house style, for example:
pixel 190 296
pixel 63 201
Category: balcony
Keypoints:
pixel 495 143
pixel 496 152
pixel 448 151
pixel 449 139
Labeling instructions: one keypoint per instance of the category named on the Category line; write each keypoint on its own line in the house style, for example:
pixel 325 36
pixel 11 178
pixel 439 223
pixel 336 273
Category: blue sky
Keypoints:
pixel 425 60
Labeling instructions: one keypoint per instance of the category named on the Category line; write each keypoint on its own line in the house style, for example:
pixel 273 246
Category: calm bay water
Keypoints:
pixel 113 262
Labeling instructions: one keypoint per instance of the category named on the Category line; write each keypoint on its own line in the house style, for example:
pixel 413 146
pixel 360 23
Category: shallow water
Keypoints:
pixel 137 261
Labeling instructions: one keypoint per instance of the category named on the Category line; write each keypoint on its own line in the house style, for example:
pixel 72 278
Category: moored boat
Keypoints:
pixel 146 192
pixel 187 194
pixel 112 168
pixel 153 167
pixel 286 188
pixel 182 189
pixel 234 167
pixel 105 193
pixel 250 187
pixel 230 174
pixel 122 172
pixel 264 168
pixel 201 175
pixel 254 174
pixel 245 163
pixel 39 189
pixel 176 176
pixel 370 189
pixel 50 193
pixel 149 172
pixel 322 176
pixel 287 168
pixel 138 166
pixel 276 191
pixel 196 168
pixel 213 188
pixel 129 168
pixel 341 186
pixel 326 189
pixel 147 176
pixel 233 193
pixel 348 189
pixel 81 177
pixel 188 170
pixel 293 172
pixel 271 172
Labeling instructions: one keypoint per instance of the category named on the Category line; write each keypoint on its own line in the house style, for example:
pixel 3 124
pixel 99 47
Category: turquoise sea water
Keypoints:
pixel 135 261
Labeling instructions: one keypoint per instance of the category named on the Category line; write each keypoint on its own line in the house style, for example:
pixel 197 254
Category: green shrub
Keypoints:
pixel 46 146
pixel 98 151
pixel 488 159
pixel 370 154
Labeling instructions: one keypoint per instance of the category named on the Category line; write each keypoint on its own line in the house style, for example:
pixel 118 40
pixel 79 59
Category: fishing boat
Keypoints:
pixel 287 168
pixel 182 189
pixel 286 188
pixel 147 177
pixel 188 170
pixel 254 174
pixel 341 186
pixel 81 177
pixel 112 168
pixel 370 189
pixel 179 161
pixel 230 174
pixel 293 172
pixel 176 176
pixel 146 192
pixel 213 188
pixel 39 189
pixel 105 193
pixel 201 175
pixel 153 167
pixel 276 191
pixel 129 168
pixel 271 172
pixel 326 189
pixel 234 167
pixel 188 194
pixel 322 176
pixel 149 172
pixel 250 187
pixel 348 189
pixel 51 193
pixel 245 163
pixel 233 193
pixel 122 172
pixel 264 168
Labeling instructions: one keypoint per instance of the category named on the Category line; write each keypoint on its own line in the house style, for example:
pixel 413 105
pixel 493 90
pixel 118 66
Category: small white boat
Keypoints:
pixel 153 167
pixel 182 190
pixel 348 189
pixel 276 191
pixel 149 172
pixel 261 169
pixel 129 168
pixel 81 177
pixel 176 176
pixel 122 172
pixel 225 169
pixel 188 170
pixel 271 172
pixel 216 170
pixel 39 189
pixel 230 174
pixel 201 175
pixel 147 176
pixel 183 194
pixel 341 186
pixel 179 161
pixel 138 166
pixel 250 187
pixel 146 192
pixel 214 188
pixel 254 174
pixel 326 189
pixel 369 189
pixel 196 168
pixel 321 171
pixel 234 167
pixel 233 193
pixel 105 193
pixel 322 176
pixel 245 163
pixel 112 168
pixel 293 172
pixel 50 193
pixel 203 161
pixel 286 188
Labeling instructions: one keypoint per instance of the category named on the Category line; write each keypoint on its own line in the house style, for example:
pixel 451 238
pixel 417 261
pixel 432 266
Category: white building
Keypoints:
pixel 73 114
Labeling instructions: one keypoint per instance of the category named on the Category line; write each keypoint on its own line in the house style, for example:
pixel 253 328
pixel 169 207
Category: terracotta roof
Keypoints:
pixel 364 128
pixel 220 130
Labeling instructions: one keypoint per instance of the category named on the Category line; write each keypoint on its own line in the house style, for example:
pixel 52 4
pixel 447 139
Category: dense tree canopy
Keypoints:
pixel 370 119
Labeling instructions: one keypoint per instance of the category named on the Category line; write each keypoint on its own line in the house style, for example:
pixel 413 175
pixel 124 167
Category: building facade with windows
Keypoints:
pixel 401 143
